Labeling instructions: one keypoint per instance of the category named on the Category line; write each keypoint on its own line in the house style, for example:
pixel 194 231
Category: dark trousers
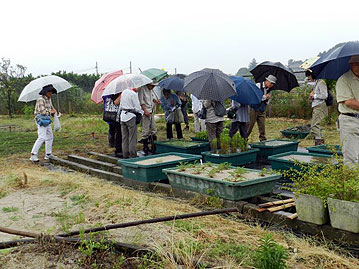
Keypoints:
pixel 115 137
pixel 184 112
pixel 241 126
pixel 178 130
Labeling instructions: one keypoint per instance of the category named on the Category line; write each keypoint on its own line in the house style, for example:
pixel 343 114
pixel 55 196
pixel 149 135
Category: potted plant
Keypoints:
pixel 311 189
pixel 337 186
pixel 181 146
pixel 233 150
pixel 201 136
pixel 223 180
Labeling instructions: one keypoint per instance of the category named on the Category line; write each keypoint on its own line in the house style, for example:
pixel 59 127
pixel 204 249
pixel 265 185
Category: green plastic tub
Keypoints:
pixel 199 139
pixel 143 170
pixel 325 149
pixel 285 161
pixel 224 189
pixel 235 159
pixel 194 147
pixel 273 147
pixel 294 134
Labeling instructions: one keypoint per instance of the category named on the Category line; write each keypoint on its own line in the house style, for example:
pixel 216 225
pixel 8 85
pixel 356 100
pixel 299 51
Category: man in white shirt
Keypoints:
pixel 128 106
pixel 148 101
pixel 258 112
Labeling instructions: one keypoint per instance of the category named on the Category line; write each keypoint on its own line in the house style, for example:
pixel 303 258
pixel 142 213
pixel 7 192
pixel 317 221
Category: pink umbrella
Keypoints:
pixel 101 83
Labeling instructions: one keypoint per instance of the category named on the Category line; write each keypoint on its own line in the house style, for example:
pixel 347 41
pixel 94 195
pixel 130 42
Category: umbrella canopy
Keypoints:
pixel 209 84
pixel 155 74
pixel 247 91
pixel 334 64
pixel 32 90
pixel 126 81
pixel 286 80
pixel 309 62
pixel 172 83
pixel 101 84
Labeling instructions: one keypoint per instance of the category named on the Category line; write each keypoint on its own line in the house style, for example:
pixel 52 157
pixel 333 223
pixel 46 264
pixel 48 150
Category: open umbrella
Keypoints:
pixel 101 84
pixel 32 90
pixel 247 91
pixel 335 63
pixel 172 83
pixel 209 84
pixel 126 81
pixel 286 80
pixel 309 62
pixel 155 74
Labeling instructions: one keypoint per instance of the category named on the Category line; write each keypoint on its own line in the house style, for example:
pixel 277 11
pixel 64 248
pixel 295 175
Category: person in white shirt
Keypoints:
pixel 199 124
pixel 320 109
pixel 128 106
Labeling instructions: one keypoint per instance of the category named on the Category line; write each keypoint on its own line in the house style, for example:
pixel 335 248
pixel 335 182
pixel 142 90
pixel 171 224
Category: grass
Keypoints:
pixel 213 240
pixel 9 209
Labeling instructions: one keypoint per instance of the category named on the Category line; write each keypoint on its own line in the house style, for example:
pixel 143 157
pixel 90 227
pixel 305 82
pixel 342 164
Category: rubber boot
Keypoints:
pixel 153 145
pixel 146 150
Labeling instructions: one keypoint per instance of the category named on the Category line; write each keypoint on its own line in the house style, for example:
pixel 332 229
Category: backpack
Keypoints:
pixel 330 99
pixel 219 109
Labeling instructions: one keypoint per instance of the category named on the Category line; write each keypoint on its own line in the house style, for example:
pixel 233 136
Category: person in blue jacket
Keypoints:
pixel 169 103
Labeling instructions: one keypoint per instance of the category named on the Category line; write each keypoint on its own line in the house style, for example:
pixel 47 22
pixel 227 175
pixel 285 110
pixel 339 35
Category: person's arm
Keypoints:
pixel 352 103
pixel 141 99
pixel 117 101
pixel 52 110
pixel 165 104
pixel 40 105
pixel 178 100
pixel 322 91
pixel 136 104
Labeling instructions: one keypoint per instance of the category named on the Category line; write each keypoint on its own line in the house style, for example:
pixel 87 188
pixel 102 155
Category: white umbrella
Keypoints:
pixel 31 91
pixel 309 62
pixel 126 81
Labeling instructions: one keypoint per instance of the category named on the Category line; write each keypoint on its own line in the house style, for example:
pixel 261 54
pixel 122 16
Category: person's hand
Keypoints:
pixel 147 114
pixel 53 111
pixel 311 95
pixel 157 102
pixel 267 96
pixel 172 103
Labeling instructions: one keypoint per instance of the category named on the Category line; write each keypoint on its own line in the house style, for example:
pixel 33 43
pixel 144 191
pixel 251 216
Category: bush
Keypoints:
pixel 28 111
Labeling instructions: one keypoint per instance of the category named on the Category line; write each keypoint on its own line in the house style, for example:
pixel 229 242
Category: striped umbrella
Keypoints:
pixel 209 84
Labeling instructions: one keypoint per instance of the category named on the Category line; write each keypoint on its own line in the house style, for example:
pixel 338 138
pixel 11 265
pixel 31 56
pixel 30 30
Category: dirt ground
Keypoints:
pixel 52 202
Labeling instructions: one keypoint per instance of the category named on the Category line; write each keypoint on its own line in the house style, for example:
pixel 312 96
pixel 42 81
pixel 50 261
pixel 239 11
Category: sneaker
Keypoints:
pixel 48 156
pixel 34 158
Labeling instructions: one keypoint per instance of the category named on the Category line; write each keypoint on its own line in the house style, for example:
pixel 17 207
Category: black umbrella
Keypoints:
pixel 286 80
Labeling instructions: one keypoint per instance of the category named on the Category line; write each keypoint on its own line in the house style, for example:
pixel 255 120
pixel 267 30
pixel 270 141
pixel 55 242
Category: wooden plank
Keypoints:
pixel 280 202
pixel 277 208
pixel 293 216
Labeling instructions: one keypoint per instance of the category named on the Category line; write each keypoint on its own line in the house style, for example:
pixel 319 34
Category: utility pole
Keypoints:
pixel 130 67
pixel 175 70
pixel 96 69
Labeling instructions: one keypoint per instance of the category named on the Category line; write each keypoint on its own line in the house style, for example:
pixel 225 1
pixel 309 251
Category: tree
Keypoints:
pixel 252 64
pixel 11 79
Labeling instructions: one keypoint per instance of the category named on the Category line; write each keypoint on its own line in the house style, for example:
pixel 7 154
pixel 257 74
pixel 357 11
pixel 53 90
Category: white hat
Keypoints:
pixel 271 79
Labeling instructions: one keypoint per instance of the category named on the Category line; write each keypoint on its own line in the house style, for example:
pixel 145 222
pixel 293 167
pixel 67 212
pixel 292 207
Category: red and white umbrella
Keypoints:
pixel 101 84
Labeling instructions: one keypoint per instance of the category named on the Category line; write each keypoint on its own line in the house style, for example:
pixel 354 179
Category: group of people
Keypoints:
pixel 134 106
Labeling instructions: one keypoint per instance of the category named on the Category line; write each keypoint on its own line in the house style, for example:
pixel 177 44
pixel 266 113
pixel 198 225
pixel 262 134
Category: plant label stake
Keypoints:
pixel 93 135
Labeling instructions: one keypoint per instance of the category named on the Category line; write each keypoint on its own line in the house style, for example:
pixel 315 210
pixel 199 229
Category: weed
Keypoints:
pixel 198 170
pixel 79 199
pixel 9 209
pixel 223 166
pixel 234 251
pixel 187 226
pixel 211 173
pixel 270 254
pixel 213 200
pixel 14 218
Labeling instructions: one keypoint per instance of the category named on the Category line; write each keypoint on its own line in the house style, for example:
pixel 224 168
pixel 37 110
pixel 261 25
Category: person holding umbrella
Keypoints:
pixel 169 103
pixel 43 110
pixel 129 106
pixel 347 91
pixel 320 109
pixel 257 112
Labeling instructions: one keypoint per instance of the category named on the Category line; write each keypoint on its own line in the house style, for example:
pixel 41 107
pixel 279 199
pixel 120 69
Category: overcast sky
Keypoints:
pixel 48 36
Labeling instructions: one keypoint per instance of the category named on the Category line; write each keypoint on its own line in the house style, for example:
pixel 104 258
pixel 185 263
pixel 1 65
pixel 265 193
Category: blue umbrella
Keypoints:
pixel 209 84
pixel 335 63
pixel 247 91
pixel 172 83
